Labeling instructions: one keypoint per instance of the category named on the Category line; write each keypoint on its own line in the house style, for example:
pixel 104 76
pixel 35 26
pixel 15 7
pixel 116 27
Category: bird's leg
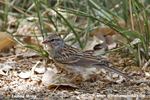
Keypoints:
pixel 77 73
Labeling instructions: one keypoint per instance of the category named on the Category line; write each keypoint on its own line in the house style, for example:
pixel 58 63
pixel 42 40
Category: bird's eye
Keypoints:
pixel 52 40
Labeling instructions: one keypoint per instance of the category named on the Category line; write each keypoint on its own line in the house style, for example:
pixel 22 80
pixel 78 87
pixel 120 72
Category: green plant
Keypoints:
pixel 95 11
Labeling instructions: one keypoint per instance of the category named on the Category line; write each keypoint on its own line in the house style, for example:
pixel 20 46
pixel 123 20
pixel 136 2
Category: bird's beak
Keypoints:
pixel 45 42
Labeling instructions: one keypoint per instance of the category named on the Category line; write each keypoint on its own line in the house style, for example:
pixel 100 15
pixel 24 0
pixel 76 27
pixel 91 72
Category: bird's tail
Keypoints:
pixel 113 70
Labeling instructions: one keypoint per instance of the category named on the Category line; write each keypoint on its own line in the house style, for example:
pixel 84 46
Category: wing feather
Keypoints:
pixel 70 55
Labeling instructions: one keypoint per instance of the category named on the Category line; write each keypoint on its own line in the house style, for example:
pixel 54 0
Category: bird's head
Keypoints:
pixel 53 42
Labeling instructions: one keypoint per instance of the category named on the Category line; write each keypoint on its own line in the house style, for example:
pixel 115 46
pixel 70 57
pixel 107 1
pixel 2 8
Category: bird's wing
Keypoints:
pixel 77 57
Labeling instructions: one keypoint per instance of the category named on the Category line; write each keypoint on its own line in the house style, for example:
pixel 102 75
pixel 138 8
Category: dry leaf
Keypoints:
pixel 2 73
pixel 119 38
pixel 112 45
pixel 6 68
pixel 137 68
pixel 92 42
pixel 47 79
pixel 147 74
pixel 98 33
pixel 67 86
pixel 40 70
pixel 6 41
pixel 29 41
pixel 28 74
pixel 25 75
pixel 51 78
pixel 107 30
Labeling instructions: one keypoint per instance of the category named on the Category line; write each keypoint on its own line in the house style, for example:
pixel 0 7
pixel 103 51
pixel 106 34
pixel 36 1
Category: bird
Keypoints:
pixel 73 59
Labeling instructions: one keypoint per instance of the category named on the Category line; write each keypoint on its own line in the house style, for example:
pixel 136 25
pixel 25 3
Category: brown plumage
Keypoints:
pixel 73 59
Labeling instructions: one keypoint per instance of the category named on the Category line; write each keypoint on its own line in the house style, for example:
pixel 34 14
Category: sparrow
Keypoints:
pixel 72 59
